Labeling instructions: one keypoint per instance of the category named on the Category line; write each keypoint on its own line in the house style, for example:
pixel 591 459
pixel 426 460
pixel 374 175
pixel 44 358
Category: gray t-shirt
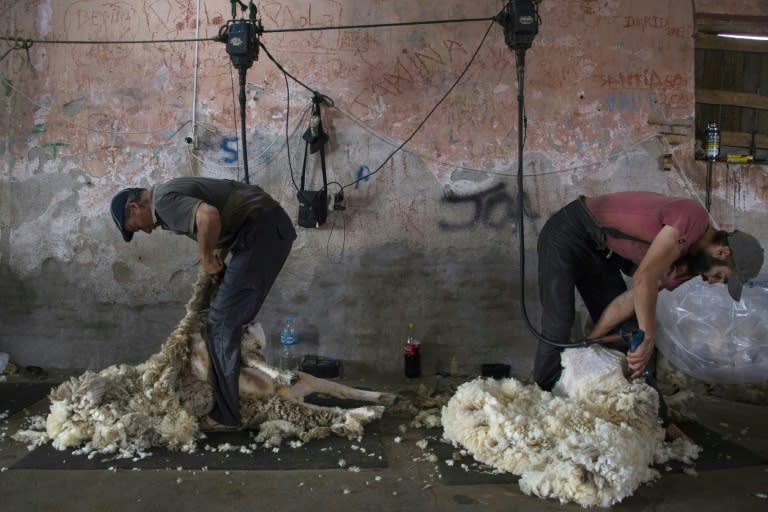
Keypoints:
pixel 175 204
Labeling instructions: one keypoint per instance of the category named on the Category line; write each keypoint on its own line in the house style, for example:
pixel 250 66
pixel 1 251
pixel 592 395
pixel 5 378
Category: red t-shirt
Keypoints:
pixel 642 215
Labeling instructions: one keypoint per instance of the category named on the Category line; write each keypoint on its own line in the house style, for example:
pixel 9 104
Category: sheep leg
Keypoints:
pixel 308 384
pixel 280 377
pixel 256 384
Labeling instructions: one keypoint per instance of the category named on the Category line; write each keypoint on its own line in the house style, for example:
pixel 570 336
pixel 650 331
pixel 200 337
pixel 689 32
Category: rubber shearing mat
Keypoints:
pixel 329 453
pixel 15 396
pixel 718 453
pixel 233 451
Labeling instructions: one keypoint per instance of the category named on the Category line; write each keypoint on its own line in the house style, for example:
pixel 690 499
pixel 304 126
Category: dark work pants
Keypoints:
pixel 257 255
pixel 569 260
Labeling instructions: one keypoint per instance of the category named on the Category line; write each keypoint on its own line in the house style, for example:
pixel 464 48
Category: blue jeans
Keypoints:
pixel 257 256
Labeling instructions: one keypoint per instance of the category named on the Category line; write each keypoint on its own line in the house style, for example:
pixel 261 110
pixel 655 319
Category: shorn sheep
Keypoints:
pixel 129 409
pixel 591 441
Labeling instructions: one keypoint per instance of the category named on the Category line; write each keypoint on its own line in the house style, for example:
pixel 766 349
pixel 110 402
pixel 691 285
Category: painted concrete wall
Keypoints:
pixel 431 238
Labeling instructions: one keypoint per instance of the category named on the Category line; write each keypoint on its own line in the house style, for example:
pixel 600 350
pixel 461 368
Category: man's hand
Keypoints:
pixel 674 432
pixel 639 359
pixel 213 265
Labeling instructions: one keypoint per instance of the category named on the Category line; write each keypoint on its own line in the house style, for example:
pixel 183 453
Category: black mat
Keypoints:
pixel 464 470
pixel 15 396
pixel 320 454
pixel 718 453
pixel 366 452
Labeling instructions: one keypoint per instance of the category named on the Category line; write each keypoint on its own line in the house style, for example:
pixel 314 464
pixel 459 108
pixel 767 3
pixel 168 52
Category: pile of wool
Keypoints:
pixel 128 409
pixel 591 441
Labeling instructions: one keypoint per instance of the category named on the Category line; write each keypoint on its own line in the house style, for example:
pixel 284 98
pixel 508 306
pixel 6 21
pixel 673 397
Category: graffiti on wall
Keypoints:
pixel 410 66
pixel 105 21
pixel 318 13
pixel 648 23
pixel 669 90
pixel 363 174
pixel 493 207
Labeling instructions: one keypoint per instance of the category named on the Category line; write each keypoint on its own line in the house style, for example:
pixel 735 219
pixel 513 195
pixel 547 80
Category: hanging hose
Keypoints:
pixel 635 337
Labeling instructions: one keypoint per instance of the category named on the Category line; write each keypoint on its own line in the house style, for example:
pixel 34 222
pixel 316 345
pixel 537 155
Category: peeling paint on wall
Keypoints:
pixel 87 120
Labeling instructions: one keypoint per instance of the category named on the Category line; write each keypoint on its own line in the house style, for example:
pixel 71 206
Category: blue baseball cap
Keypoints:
pixel 118 208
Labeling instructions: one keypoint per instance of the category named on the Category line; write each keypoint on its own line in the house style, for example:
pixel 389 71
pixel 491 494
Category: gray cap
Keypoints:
pixel 747 254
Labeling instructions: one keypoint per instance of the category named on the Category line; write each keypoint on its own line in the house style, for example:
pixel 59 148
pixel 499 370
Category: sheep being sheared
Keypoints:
pixel 591 441
pixel 157 403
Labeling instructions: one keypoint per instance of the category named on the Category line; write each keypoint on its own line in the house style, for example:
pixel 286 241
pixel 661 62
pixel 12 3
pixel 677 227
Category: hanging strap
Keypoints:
pixel 315 139
pixel 605 232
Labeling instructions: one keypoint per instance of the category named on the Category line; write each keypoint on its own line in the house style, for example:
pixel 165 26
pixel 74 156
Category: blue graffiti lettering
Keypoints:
pixel 363 174
pixel 229 145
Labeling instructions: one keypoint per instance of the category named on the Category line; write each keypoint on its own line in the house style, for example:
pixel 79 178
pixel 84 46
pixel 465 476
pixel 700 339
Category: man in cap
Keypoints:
pixel 660 241
pixel 219 215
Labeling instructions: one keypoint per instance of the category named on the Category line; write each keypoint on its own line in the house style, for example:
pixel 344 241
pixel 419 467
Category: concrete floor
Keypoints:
pixel 405 484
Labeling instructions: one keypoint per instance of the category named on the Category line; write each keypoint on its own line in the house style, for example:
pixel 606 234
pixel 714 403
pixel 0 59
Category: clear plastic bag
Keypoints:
pixel 709 336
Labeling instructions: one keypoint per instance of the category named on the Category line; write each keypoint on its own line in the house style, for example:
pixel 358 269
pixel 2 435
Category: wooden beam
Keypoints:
pixel 712 42
pixel 675 139
pixel 732 98
pixel 731 23
pixel 743 140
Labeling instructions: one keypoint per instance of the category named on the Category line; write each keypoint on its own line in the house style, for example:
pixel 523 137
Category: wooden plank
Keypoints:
pixel 751 83
pixel 713 42
pixel 731 24
pixel 743 140
pixel 762 116
pixel 732 75
pixel 711 65
pixel 675 139
pixel 731 98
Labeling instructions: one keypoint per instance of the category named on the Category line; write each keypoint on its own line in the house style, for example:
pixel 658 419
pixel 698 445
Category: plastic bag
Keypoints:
pixel 709 336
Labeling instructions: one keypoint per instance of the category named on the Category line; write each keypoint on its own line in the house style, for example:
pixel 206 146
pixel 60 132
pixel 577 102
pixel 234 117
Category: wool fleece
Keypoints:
pixel 591 441
pixel 129 409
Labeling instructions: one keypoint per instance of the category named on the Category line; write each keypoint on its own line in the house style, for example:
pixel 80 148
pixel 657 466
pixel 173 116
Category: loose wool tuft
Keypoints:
pixel 592 441
pixel 128 409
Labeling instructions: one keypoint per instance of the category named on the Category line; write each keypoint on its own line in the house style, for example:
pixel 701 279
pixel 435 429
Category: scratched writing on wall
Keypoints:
pixel 644 23
pixel 92 19
pixel 409 67
pixel 319 13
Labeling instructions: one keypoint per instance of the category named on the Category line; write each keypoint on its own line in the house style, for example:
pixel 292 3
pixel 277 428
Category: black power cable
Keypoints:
pixel 266 31
pixel 520 19
pixel 242 38
pixel 423 121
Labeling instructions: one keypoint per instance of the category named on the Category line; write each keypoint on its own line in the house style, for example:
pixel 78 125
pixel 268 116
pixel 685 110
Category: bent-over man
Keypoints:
pixel 220 215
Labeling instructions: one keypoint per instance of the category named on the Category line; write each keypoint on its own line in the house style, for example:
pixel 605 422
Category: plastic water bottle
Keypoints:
pixel 289 339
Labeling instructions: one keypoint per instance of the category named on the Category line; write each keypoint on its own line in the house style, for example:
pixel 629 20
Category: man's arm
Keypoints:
pixel 621 308
pixel 661 255
pixel 208 229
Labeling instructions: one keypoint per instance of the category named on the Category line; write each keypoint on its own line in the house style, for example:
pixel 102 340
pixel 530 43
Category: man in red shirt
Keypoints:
pixel 659 241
